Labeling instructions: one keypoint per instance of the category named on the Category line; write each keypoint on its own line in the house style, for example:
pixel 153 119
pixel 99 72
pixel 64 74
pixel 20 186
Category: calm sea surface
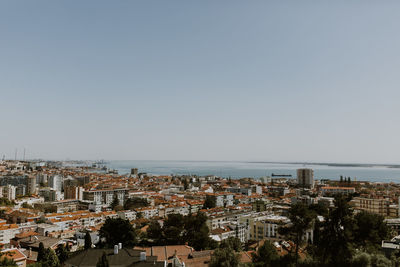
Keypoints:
pixel 255 170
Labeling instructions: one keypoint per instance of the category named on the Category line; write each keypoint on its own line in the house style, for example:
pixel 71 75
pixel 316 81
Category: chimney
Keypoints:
pixel 142 256
pixel 30 252
pixel 115 249
pixel 119 245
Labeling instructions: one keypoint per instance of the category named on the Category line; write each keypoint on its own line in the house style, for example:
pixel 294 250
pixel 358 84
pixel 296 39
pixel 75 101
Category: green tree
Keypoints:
pixel 210 202
pixel 7 262
pixel 135 202
pixel 88 240
pixel 364 259
pixel 118 231
pixel 185 184
pixel 25 205
pixel 50 258
pixel 266 255
pixel 6 202
pixel 155 232
pixel 232 242
pixel 337 233
pixel 369 230
pixel 178 229
pixel 115 202
pixel 62 253
pixel 173 229
pixel 301 219
pixel 103 261
pixel 224 257
pixel 361 259
pixel 395 260
pixel 196 231
pixel 41 252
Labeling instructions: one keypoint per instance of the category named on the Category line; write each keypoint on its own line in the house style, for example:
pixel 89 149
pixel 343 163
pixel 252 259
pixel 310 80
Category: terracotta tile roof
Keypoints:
pixel 26 234
pixel 14 254
pixel 8 226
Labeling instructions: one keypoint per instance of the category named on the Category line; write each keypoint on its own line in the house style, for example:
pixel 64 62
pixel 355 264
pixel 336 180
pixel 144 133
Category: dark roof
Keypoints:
pixel 33 241
pixel 125 257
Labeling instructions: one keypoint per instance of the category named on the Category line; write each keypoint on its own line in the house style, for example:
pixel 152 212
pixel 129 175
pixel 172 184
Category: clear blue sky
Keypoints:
pixel 201 80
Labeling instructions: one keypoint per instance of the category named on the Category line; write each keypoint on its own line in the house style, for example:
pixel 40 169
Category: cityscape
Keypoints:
pixel 69 213
pixel 212 133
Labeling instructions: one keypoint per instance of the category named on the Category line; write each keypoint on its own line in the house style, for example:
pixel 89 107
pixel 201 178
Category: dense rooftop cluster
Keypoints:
pixel 184 220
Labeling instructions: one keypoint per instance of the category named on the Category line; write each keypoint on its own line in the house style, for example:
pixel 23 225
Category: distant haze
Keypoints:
pixel 201 80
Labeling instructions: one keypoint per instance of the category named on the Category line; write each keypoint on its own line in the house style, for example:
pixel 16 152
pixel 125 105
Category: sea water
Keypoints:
pixel 237 169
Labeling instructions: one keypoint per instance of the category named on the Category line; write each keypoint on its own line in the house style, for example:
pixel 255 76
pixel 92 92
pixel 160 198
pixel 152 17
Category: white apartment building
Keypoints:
pixel 9 191
pixel 127 215
pixel 147 212
pixel 105 196
pixel 55 182
pixel 7 232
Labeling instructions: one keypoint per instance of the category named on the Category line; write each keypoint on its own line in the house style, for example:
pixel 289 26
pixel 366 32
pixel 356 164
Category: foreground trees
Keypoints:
pixel 227 254
pixel 62 253
pixel 118 231
pixel 88 240
pixel 266 256
pixel 179 229
pixel 224 257
pixel 301 218
pixel 341 239
pixel 209 203
pixel 135 202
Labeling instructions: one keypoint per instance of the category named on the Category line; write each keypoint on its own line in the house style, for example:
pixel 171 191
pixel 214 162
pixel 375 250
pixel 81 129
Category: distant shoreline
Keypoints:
pixel 329 164
pixel 365 165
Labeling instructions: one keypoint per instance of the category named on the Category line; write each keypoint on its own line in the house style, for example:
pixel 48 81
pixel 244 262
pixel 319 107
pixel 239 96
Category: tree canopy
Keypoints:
pixel 50 259
pixel 7 262
pixel 209 203
pixel 224 257
pixel 62 253
pixel 135 202
pixel 266 255
pixel 115 202
pixel 88 240
pixel 118 231
pixel 343 238
pixel 179 229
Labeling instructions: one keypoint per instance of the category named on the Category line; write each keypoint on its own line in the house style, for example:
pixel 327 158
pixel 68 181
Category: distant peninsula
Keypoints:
pixel 364 165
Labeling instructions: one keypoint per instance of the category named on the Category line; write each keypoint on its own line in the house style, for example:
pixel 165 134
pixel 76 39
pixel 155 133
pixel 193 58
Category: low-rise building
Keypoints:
pixel 375 205
pixel 334 190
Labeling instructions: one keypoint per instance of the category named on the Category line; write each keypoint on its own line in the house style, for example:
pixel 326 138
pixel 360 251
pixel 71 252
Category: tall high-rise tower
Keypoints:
pixel 31 185
pixel 305 177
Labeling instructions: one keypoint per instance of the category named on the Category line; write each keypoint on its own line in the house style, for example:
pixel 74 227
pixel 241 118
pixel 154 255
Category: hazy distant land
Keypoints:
pixel 364 165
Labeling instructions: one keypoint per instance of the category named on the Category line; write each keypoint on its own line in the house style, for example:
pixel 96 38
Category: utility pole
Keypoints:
pixel 24 153
pixel 15 156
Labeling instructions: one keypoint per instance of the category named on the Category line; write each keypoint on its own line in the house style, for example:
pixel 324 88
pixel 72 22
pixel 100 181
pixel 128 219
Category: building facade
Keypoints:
pixel 305 177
